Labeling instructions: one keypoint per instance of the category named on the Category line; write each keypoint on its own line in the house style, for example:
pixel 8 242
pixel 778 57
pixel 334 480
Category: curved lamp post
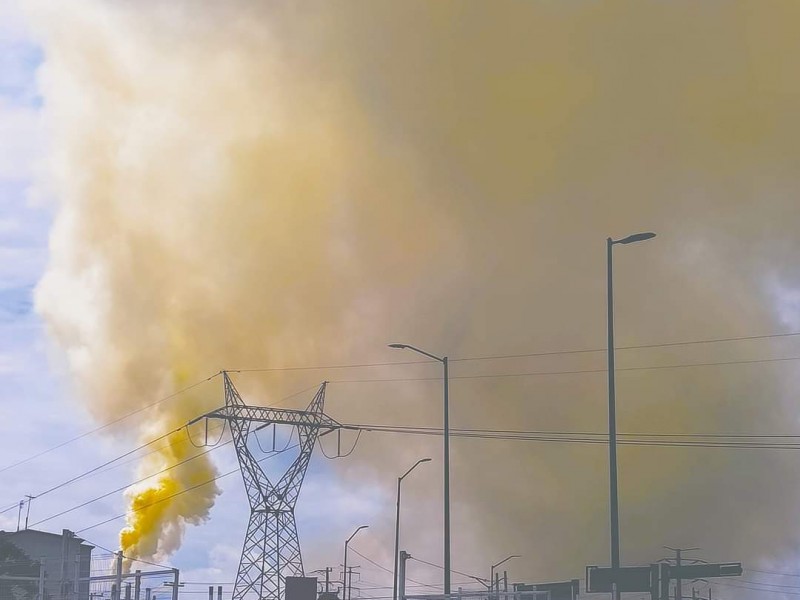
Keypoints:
pixel 612 410
pixel 397 525
pixel 491 573
pixel 346 585
pixel 442 360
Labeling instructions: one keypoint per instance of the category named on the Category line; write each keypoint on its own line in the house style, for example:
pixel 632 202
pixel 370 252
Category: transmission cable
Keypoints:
pixel 189 489
pixel 436 587
pixel 108 424
pixel 456 359
pixel 574 371
pixel 172 444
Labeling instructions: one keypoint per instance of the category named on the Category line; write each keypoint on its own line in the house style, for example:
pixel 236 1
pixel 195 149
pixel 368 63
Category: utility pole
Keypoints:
pixel 404 556
pixel 117 590
pixel 328 579
pixel 678 557
pixel 28 513
pixel 350 581
pixel 19 513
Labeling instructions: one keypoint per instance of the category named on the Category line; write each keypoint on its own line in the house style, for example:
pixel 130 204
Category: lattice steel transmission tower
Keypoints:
pixel 271 550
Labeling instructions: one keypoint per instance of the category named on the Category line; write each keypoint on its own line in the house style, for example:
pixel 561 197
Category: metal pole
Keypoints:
pixel 41 579
pixel 446 480
pixel 127 591
pixel 137 585
pixel 277 558
pixel 612 424
pixel 327 579
pixel 28 512
pixel 176 575
pixel 350 584
pixel 505 581
pixel 147 594
pixel 404 556
pixel 76 585
pixel 118 576
pixel 491 579
pixel 396 541
pixel 678 581
pixel 219 592
pixel 344 573
pixel 211 592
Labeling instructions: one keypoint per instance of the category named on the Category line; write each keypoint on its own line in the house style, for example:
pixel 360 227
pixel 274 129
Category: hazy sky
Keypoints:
pixel 260 187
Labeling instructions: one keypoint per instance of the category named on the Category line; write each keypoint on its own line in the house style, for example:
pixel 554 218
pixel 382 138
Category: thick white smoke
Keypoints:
pixel 258 185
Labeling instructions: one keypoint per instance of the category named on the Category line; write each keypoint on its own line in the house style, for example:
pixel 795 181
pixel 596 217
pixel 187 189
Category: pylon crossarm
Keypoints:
pixel 267 415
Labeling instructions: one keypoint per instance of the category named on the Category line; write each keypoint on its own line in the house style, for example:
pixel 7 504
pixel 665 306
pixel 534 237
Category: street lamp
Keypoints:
pixel 397 525
pixel 491 573
pixel 442 360
pixel 612 413
pixel 346 586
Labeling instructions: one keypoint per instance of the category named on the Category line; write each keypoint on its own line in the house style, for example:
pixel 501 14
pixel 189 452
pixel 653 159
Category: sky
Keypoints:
pixel 300 188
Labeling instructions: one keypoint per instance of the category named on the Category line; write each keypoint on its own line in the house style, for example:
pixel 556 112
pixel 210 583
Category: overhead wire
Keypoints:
pixel 574 437
pixel 425 562
pixel 455 359
pixel 572 371
pixel 172 444
pixel 346 454
pixel 189 489
pixel 108 424
pixel 392 572
pixel 127 485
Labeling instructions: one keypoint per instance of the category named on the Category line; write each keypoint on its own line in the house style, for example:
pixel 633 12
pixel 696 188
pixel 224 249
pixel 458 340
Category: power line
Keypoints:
pixel 114 553
pixel 172 444
pixel 757 589
pixel 436 587
pixel 105 464
pixel 189 489
pixel 456 359
pixel 106 425
pixel 573 371
pixel 522 355
pixel 536 437
pixel 425 562
pixel 633 347
pixel 126 486
pixel 775 573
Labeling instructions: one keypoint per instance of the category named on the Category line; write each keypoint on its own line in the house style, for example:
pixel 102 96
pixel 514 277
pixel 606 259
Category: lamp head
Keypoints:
pixel 398 346
pixel 637 237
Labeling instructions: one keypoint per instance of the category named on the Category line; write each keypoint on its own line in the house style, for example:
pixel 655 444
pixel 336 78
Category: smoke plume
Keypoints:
pixel 253 184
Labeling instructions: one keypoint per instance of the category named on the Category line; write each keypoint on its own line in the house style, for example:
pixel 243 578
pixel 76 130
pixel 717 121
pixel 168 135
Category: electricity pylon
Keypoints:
pixel 271 550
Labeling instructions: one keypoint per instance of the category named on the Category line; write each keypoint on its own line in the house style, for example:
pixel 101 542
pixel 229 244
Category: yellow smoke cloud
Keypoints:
pixel 254 185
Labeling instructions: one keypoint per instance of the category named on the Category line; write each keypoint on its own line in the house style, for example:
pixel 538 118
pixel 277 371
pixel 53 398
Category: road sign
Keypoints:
pixel 629 579
pixel 702 571
pixel 563 590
